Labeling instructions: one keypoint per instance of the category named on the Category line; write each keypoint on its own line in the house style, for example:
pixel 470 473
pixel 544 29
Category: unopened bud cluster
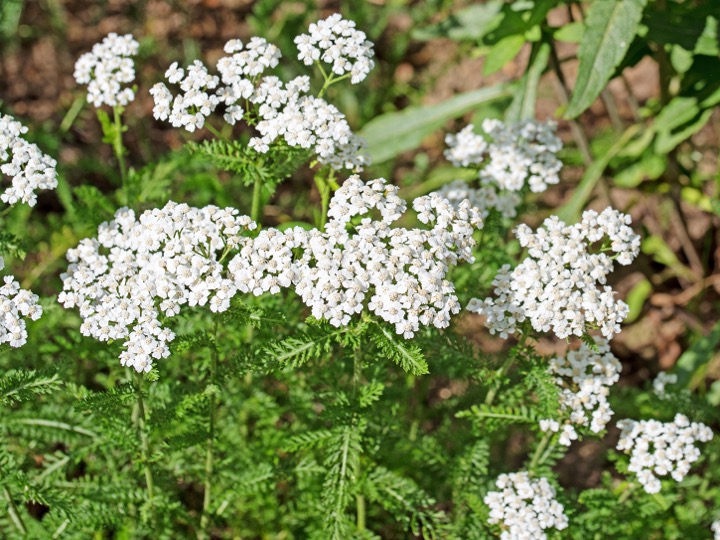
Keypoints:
pixel 585 377
pixel 557 286
pixel 27 166
pixel 661 448
pixel 524 507
pixel 107 69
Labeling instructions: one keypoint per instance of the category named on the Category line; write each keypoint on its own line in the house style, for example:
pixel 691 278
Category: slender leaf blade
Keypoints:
pixel 393 133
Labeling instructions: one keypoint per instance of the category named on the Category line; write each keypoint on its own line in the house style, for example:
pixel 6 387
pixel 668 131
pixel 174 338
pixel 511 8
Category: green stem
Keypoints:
pixel 500 373
pixel 324 189
pixel 256 209
pixel 13 511
pixel 625 495
pixel 120 150
pixel 215 132
pixel 207 497
pixel 535 461
pixel 360 505
pixel 144 441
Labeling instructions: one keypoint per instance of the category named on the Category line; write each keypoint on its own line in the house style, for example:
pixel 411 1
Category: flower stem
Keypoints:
pixel 13 511
pixel 535 461
pixel 360 508
pixel 207 497
pixel 120 149
pixel 256 208
pixel 144 441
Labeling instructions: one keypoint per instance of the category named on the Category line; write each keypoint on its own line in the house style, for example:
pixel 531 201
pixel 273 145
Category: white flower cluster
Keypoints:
pixel 663 378
pixel 25 163
pixel 525 507
pixel 139 270
pixel 556 286
pixel 107 68
pixel 336 41
pixel 522 154
pixel 466 147
pixel 715 527
pixel 404 271
pixel 16 303
pixel 659 449
pixel 307 122
pixel 189 109
pixel 585 377
pixel 279 110
pixel 517 155
pixel 484 198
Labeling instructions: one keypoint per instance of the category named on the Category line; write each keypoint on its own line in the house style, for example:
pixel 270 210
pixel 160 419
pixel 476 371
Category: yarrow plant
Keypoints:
pixel 524 507
pixel 272 366
pixel 556 286
pixel 107 69
pixel 27 166
pixel 661 448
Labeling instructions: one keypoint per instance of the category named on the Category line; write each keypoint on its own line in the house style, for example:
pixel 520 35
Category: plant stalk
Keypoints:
pixel 13 511
pixel 256 200
pixel 209 458
pixel 144 441
pixel 360 506
pixel 120 150
pixel 535 461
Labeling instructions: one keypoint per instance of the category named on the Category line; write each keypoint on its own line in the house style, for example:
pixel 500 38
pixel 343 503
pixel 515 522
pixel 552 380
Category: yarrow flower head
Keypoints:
pixel 279 111
pixel 658 449
pixel 484 198
pixel 556 286
pixel 360 262
pixel 139 270
pixel 510 158
pixel 715 527
pixel 16 303
pixel 29 168
pixel 585 377
pixel 663 378
pixel 107 68
pixel 337 42
pixel 524 507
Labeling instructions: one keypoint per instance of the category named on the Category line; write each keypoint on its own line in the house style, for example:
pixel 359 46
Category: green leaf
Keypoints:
pixel 697 356
pixel 410 358
pixel 393 133
pixel 658 249
pixel 502 52
pixel 610 28
pixel 523 103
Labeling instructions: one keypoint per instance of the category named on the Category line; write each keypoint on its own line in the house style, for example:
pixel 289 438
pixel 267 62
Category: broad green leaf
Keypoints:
pixel 570 212
pixel 610 28
pixel 393 133
pixel 697 356
pixel 502 52
pixel 523 103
